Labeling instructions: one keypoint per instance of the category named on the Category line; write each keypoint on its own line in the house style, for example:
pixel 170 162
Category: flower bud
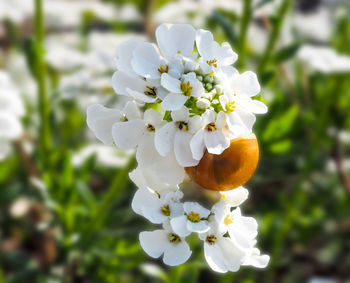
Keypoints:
pixel 202 103
pixel 208 86
pixel 208 79
pixel 200 78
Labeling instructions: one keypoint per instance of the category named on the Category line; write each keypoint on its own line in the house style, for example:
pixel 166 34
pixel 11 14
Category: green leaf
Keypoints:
pixel 281 146
pixel 279 128
pixel 286 53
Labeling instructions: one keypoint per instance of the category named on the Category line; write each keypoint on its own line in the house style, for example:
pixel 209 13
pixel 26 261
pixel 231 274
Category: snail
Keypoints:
pixel 229 170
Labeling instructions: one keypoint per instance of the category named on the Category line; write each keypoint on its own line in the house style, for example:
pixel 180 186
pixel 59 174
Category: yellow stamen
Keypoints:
pixel 230 107
pixel 228 220
pixel 194 217
pixel 186 88
pixel 212 63
pixel 183 126
pixel 165 210
pixel 163 69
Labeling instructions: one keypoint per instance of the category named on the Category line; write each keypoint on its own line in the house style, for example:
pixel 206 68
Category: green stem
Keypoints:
pixel 274 35
pixel 245 20
pixel 40 72
pixel 118 185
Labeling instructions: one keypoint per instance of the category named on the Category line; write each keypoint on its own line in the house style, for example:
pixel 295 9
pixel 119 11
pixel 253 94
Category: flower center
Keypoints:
pixel 186 88
pixel 174 238
pixel 228 220
pixel 165 210
pixel 193 217
pixel 211 239
pixel 210 127
pixel 151 91
pixel 163 69
pixel 150 128
pixel 124 118
pixel 183 126
pixel 230 107
pixel 212 63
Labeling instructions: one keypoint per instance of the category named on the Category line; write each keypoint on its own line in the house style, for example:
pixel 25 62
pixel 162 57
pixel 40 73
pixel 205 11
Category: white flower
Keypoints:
pixel 10 129
pixel 212 54
pixel 180 90
pixel 194 220
pixel 156 206
pixel 174 40
pixel 148 63
pixel 165 242
pixel 101 119
pixel 323 59
pixel 237 102
pixel 178 134
pixel 211 135
pixel 139 133
pixel 220 252
pixel 142 90
pixel 242 230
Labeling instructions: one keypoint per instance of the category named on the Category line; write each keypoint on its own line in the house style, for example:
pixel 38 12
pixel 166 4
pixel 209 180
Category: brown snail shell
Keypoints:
pixel 229 170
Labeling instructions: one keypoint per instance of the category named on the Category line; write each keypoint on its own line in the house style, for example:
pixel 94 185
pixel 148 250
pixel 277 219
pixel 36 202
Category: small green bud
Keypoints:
pixel 200 78
pixel 208 86
pixel 208 79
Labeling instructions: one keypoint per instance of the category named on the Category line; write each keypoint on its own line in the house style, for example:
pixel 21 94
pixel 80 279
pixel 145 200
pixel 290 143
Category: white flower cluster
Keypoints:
pixel 11 110
pixel 193 100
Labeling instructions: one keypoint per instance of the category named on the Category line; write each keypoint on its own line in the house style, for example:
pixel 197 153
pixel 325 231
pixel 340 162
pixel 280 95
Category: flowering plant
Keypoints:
pixel 186 100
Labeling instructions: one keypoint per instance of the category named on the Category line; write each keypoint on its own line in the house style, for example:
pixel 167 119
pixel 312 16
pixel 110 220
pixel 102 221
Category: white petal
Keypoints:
pixel 140 96
pixel 179 225
pixel 216 142
pixel 204 41
pixel 127 135
pixel 180 114
pixel 197 145
pixel 235 197
pixel 196 208
pixel 146 153
pixel 124 55
pixel 176 209
pixel 225 55
pixel 254 106
pixel 154 214
pixel 174 39
pixel 169 171
pixel 182 149
pixel 177 253
pixel 232 255
pixel 144 197
pixel 221 120
pixel 170 83
pixel 121 81
pixel 153 117
pixel 246 83
pixel 164 138
pixel 174 101
pixel 199 227
pixel 247 118
pixel 138 178
pixel 146 61
pixel 256 260
pixel 132 111
pixel 154 243
pixel 100 120
pixel 215 258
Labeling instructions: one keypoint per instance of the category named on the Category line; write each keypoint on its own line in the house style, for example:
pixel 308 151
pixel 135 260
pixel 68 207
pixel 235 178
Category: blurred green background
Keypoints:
pixel 65 198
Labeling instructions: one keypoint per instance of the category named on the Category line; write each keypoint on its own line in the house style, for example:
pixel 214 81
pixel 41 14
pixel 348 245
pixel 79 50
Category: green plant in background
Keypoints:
pixel 77 224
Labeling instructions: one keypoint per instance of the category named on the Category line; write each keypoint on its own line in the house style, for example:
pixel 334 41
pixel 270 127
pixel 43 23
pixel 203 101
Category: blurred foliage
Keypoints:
pixel 79 227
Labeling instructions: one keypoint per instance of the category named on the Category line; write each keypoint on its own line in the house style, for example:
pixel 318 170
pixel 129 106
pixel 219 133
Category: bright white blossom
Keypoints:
pixel 185 98
pixel 165 242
